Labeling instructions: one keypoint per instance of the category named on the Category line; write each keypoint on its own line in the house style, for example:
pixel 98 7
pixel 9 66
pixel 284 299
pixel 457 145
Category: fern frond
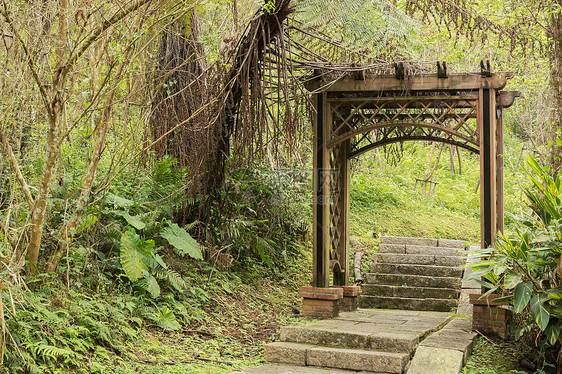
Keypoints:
pixel 360 25
pixel 176 280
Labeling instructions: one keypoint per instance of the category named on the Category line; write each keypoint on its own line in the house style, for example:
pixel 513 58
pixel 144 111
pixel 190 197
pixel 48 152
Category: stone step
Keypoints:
pixel 447 243
pixel 409 241
pixel 412 280
pixel 415 292
pixel 338 358
pixel 438 305
pixel 352 335
pixel 412 269
pixel 421 250
pixel 397 258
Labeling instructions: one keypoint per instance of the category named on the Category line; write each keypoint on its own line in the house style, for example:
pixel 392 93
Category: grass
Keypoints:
pixel 488 358
pixel 245 311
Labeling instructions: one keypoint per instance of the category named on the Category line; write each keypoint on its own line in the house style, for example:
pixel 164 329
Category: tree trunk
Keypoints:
pixel 40 206
pixel 555 133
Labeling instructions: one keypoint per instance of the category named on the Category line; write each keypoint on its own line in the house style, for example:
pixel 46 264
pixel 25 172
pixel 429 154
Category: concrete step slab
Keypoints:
pixel 348 334
pixel 440 260
pixel 429 360
pixel 458 340
pixel 285 353
pixel 435 251
pixel 292 369
pixel 332 357
pixel 440 305
pixel 413 269
pixel 409 241
pixel 451 243
pixel 399 320
pixel 392 248
pixel 412 280
pixel 408 291
pixel 351 359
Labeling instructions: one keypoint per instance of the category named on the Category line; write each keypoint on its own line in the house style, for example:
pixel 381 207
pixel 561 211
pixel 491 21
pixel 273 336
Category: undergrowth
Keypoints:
pixel 491 358
pixel 137 293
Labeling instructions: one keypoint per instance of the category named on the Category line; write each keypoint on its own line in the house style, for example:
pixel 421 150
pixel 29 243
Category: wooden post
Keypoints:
pixel 341 276
pixel 499 170
pixel 321 194
pixel 487 124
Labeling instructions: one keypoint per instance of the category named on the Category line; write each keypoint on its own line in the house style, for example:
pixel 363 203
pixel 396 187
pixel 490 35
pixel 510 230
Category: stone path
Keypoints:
pixel 358 341
pixel 389 341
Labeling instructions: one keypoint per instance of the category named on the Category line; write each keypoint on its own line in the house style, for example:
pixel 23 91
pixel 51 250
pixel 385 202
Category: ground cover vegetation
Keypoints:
pixel 155 181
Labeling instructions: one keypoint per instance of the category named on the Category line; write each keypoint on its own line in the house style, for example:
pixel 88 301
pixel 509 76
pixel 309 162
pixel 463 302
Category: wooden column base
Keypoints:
pixel 488 317
pixel 321 302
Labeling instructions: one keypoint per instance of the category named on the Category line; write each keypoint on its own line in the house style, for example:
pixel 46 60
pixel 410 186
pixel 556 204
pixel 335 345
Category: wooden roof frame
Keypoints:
pixel 357 113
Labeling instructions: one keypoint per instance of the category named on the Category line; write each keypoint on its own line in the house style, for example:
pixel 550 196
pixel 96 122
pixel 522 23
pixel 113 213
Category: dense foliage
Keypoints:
pixel 526 268
pixel 131 220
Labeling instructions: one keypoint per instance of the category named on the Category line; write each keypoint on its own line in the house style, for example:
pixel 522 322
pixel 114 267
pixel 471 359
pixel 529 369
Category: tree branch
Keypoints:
pixel 30 62
pixel 83 47
pixel 16 169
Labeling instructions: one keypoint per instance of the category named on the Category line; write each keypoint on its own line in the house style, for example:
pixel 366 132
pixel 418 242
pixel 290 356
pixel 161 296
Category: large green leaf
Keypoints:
pixel 553 331
pixel 135 221
pixel 167 320
pixel 134 254
pixel 541 310
pixel 511 280
pixel 182 241
pixel 151 284
pixel 522 296
pixel 118 202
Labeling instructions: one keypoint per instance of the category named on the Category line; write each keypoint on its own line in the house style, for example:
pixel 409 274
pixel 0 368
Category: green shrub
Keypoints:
pixel 526 267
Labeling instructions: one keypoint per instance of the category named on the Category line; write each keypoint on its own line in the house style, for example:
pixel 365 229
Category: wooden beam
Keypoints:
pixel 507 98
pixel 471 97
pixel 427 82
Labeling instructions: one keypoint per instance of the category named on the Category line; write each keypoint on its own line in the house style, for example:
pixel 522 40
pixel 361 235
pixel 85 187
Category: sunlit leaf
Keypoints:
pixel 541 310
pixel 522 296
pixel 553 331
pixel 511 280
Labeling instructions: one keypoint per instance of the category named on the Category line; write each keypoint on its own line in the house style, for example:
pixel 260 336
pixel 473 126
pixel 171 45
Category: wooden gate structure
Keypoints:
pixel 356 114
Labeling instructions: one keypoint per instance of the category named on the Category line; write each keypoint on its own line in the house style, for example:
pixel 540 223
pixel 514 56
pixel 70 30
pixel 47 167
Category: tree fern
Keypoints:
pixel 369 26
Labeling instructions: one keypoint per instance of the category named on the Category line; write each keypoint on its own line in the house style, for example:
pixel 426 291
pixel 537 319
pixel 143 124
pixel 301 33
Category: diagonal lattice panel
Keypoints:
pixel 450 119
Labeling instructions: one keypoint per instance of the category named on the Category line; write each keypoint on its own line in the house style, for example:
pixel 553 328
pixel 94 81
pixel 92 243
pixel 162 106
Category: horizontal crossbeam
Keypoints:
pixel 427 82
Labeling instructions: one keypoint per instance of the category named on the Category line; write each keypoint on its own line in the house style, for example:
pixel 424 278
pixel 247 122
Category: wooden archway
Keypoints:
pixel 354 115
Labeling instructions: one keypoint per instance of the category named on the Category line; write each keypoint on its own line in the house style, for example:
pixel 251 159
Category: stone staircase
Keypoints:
pixel 366 341
pixel 415 274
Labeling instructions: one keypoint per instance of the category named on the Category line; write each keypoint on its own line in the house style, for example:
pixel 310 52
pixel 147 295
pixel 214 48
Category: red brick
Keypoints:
pixel 321 293
pixel 319 302
pixel 351 291
pixel 475 300
pixel 319 307
pixel 322 296
pixel 324 290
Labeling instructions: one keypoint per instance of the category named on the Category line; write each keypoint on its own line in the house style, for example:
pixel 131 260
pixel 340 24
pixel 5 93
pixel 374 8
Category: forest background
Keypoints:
pixel 155 182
